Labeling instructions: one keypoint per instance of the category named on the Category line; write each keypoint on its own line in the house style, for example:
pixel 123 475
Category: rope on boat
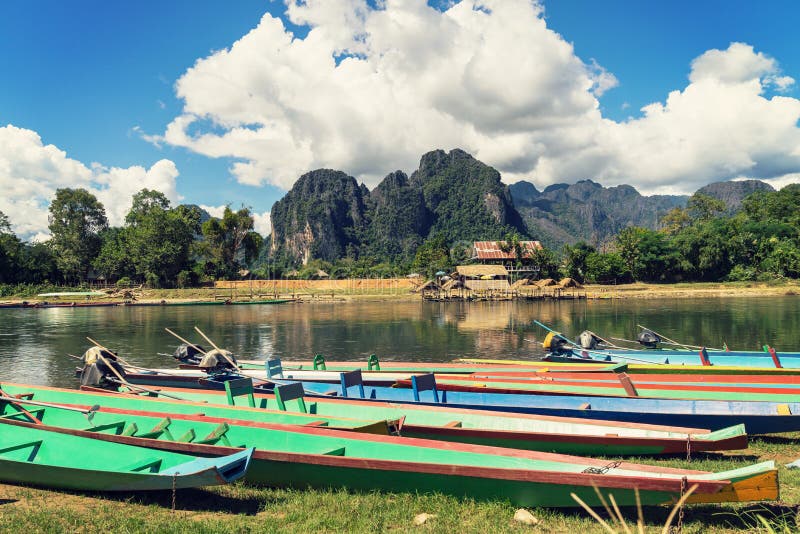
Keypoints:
pixel 602 470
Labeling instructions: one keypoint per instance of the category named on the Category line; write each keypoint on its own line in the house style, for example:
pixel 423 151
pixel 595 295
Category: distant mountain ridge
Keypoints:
pixel 587 211
pixel 328 215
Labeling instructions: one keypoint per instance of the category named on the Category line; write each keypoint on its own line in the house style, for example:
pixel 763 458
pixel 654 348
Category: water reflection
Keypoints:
pixel 34 343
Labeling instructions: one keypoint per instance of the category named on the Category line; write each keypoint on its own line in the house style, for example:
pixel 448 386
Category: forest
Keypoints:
pixel 164 246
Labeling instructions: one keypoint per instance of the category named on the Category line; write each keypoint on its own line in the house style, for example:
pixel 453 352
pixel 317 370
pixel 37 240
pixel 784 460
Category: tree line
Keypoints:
pixel 164 246
pixel 158 244
pixel 701 242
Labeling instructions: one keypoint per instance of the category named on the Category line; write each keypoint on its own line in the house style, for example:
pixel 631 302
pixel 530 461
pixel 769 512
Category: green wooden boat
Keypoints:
pixel 40 457
pixel 519 431
pixel 343 421
pixel 311 457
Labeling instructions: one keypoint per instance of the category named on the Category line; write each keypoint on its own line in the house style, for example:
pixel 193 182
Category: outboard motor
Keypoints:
pixel 649 339
pixel 215 362
pixel 191 354
pixel 588 340
pixel 554 343
pixel 97 372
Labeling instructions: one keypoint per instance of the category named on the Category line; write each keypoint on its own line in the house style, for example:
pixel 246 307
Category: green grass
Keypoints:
pixel 240 508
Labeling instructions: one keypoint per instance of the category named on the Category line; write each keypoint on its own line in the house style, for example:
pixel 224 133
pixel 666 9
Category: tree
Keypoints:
pixel 231 242
pixel 574 263
pixel 606 268
pixel 648 255
pixel 76 220
pixel 9 251
pixel 432 256
pixel 703 207
pixel 675 220
pixel 546 261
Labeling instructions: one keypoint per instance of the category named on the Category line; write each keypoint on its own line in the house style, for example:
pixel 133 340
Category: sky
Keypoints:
pixel 227 103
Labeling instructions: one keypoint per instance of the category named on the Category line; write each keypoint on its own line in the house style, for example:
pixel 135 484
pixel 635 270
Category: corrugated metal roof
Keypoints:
pixel 491 250
pixel 481 270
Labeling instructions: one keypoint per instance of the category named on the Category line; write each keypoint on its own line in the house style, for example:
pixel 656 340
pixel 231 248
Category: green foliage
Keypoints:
pixel 433 256
pixel 704 207
pixel 606 268
pixel 547 262
pixel 648 255
pixel 76 220
pixel 574 260
pixel 154 246
pixel 742 273
pixel 232 242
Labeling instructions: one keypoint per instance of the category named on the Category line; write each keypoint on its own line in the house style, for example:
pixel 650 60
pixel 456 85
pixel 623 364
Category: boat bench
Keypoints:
pixel 38 414
pixel 33 445
pixel 151 464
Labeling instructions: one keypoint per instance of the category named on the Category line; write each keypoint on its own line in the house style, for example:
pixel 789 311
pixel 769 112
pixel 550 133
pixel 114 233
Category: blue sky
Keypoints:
pixel 93 77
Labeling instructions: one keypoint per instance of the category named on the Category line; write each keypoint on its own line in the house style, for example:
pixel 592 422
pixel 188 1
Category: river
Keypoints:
pixel 35 343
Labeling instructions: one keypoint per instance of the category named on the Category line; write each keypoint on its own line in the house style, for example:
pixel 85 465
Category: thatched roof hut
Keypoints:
pixel 520 283
pixel 569 283
pixel 545 282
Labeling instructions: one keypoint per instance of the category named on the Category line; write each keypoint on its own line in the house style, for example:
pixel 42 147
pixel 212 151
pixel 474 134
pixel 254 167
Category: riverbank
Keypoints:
pixel 240 508
pixel 354 292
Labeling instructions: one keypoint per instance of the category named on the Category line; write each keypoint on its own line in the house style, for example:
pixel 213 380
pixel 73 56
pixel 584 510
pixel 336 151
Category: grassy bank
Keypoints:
pixel 239 508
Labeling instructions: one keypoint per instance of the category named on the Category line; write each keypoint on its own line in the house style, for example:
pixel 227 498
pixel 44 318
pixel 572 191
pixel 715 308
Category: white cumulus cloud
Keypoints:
pixel 368 90
pixel 31 171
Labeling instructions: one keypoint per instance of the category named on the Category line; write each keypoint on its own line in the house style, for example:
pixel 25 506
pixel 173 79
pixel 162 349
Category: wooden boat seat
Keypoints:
pixel 426 382
pixel 352 379
pixel 24 396
pixel 289 392
pixel 33 445
pixel 373 364
pixel 217 435
pixel 187 437
pixel 585 406
pixel 240 387
pixel 161 429
pixel 453 424
pixel 317 423
pixel 36 413
pixel 117 427
pixel 151 464
pixel 274 368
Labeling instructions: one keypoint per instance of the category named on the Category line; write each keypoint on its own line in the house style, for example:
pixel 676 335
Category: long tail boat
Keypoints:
pixel 519 431
pixel 670 357
pixel 759 417
pixel 497 367
pixel 555 364
pixel 540 385
pixel 40 457
pixel 623 386
pixel 309 457
pixel 564 350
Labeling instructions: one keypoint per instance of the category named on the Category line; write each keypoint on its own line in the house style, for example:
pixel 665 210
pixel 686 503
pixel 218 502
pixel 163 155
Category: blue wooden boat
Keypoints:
pixel 759 417
pixel 562 349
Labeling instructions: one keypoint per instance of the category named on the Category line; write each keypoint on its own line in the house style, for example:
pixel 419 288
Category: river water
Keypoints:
pixel 34 343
